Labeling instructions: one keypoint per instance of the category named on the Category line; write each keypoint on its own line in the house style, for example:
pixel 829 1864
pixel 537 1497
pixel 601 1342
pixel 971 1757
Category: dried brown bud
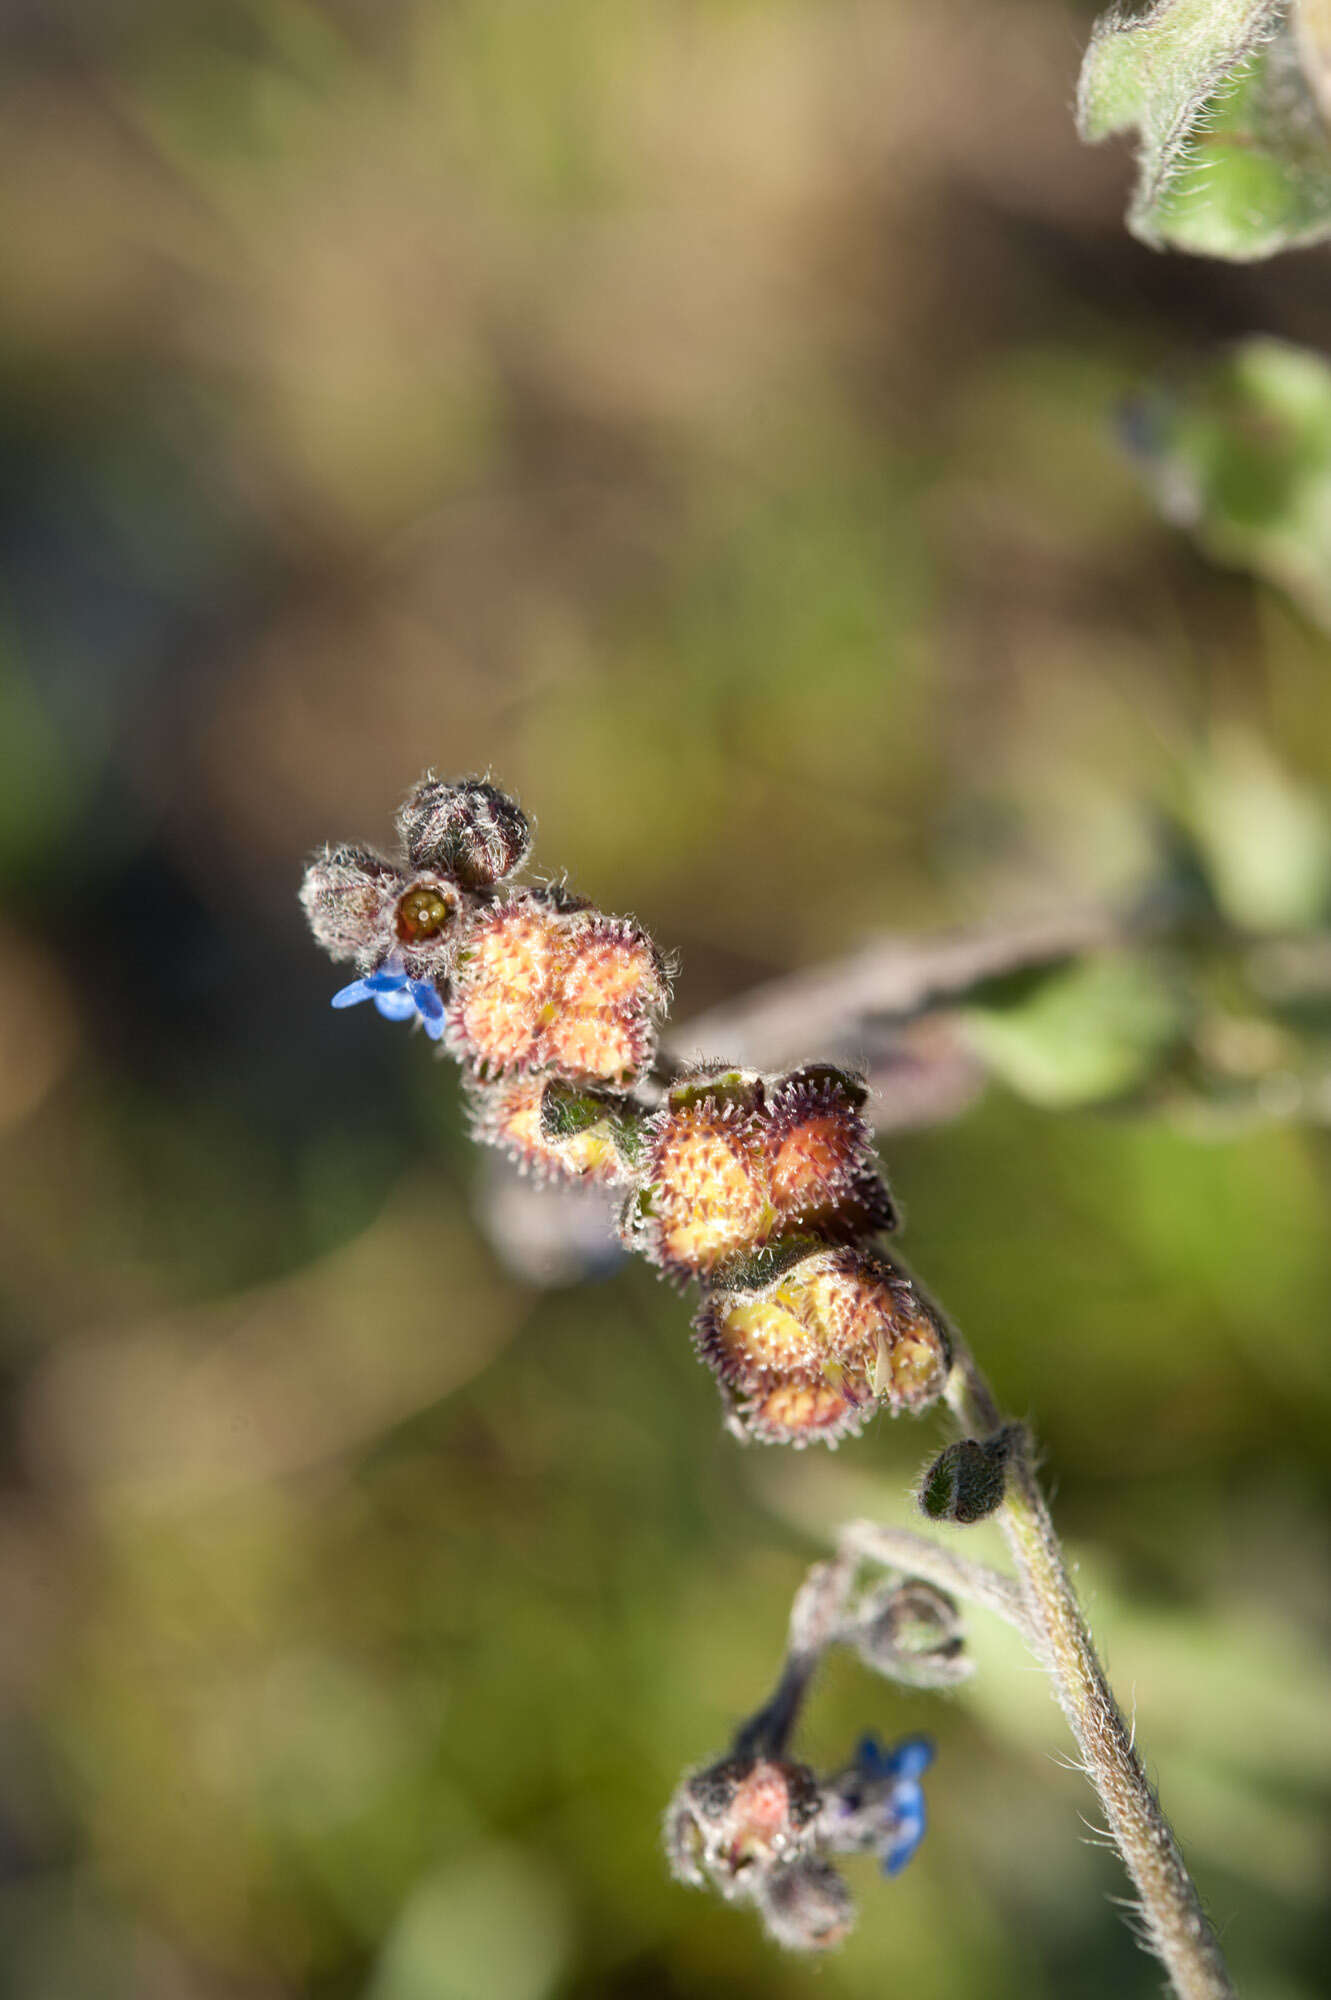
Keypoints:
pixel 829 1340
pixel 469 831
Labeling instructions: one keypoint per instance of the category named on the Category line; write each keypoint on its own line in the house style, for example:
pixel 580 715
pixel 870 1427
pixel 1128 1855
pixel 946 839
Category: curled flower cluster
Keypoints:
pixel 760 1830
pixel 764 1190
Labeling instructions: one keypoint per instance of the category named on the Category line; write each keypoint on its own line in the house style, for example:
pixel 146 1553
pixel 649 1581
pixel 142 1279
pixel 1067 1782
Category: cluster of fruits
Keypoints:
pixel 762 1189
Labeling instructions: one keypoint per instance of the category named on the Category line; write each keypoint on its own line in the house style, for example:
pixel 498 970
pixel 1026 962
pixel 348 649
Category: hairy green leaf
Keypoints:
pixel 1226 97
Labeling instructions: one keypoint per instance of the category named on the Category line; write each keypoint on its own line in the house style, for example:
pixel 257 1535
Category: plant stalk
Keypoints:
pixel 1176 1926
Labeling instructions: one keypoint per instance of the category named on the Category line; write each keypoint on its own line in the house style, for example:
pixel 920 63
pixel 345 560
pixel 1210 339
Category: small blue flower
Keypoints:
pixel 880 1801
pixel 397 997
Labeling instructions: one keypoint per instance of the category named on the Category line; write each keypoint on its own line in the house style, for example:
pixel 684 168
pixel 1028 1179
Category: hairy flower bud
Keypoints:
pixel 812 1354
pixel 966 1482
pixel 349 896
pixel 469 831
pixel 734 1821
pixel 806 1906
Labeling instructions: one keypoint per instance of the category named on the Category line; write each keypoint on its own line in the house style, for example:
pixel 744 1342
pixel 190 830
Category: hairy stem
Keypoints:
pixel 916 1555
pixel 1176 1925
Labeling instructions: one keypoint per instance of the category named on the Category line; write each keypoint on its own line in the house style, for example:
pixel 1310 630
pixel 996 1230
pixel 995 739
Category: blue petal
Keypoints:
pixel 351 996
pixel 434 1029
pixel 873 1760
pixel 912 1758
pixel 428 1004
pixel 395 1005
pixel 907 1834
pixel 387 980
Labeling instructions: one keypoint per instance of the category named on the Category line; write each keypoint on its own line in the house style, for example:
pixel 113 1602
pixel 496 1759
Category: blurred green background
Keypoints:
pixel 702 416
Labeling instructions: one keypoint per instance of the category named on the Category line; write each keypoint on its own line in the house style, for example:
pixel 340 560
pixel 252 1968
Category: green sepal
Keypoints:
pixel 741 1087
pixel 755 1270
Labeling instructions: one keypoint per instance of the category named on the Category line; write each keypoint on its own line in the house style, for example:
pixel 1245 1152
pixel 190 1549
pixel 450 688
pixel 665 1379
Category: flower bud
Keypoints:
pixel 349 896
pixel 469 831
pixel 732 1822
pixel 806 1905
pixel 815 1352
pixel 611 990
pixel 912 1632
pixel 508 966
pixel 966 1482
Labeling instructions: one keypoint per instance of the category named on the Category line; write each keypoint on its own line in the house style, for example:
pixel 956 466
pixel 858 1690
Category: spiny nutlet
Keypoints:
pixel 705 1185
pixel 552 1131
pixel 506 977
pixel 821 1154
pixel 468 830
pixel 736 1158
pixel 812 1355
pixel 612 992
pixel 734 1821
pixel 540 985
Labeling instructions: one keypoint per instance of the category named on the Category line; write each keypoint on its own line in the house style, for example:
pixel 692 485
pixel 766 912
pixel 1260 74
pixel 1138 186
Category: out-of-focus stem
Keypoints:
pixel 916 1555
pixel 1176 1925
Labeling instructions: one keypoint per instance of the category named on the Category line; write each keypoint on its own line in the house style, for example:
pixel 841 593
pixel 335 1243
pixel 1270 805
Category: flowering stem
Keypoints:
pixel 1176 1926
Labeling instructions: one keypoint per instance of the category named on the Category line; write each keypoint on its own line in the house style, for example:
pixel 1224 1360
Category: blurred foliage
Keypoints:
pixel 701 415
pixel 1228 100
pixel 1240 454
